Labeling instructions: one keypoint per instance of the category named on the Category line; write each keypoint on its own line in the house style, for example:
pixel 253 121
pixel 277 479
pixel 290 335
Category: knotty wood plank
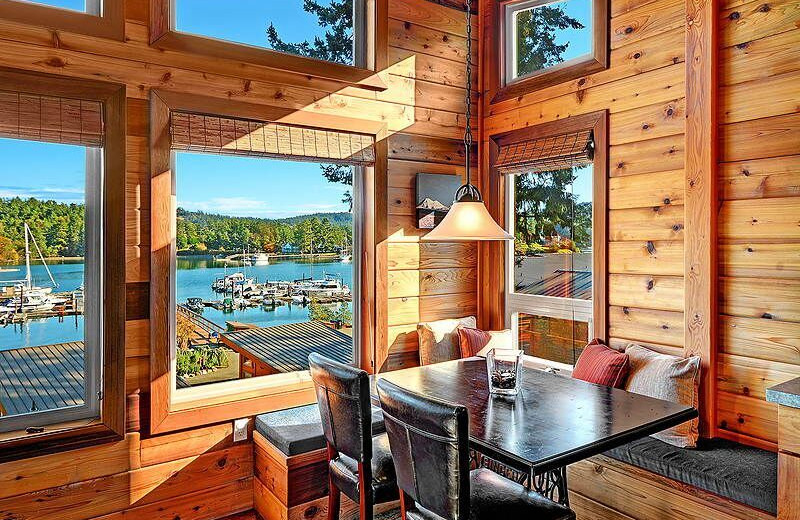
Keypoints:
pixel 650 257
pixel 653 155
pixel 760 138
pixel 647 292
pixel 751 377
pixel 431 255
pixel 770 340
pixel 655 223
pixel 662 327
pixel 412 282
pixel 773 299
pixel 762 58
pixel 760 178
pixel 647 20
pixel 760 219
pixel 650 122
pixel 747 415
pixel 760 259
pixel 754 20
pixel 646 190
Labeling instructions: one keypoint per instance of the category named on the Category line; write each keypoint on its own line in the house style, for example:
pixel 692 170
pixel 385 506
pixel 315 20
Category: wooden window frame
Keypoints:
pixel 493 258
pixel 596 61
pixel 110 425
pixel 242 398
pixel 163 35
pixel 110 23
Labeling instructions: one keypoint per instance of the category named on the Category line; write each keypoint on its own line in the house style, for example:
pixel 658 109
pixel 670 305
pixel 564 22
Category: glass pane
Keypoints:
pixel 557 339
pixel 553 228
pixel 84 6
pixel 42 283
pixel 264 266
pixel 322 29
pixel 550 34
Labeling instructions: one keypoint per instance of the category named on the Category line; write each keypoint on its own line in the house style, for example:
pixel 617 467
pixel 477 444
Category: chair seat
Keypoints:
pixel 344 471
pixel 496 497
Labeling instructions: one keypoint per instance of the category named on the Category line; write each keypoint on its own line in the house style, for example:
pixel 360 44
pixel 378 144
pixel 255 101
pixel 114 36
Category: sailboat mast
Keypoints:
pixel 27 259
pixel 41 257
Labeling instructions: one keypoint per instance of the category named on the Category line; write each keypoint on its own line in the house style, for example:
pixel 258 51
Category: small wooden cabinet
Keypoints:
pixel 787 395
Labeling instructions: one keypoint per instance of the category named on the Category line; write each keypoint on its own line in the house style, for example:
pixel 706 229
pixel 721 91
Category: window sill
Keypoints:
pixel 56 438
pixel 552 76
pixel 345 75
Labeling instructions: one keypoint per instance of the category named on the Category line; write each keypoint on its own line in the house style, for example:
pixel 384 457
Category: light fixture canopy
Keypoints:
pixel 468 218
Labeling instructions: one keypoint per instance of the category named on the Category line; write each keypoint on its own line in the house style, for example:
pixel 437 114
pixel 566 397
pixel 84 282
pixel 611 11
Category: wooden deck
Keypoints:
pixel 41 378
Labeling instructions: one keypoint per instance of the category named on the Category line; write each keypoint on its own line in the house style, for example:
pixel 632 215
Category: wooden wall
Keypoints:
pixel 643 90
pixel 759 214
pixel 199 473
pixel 426 281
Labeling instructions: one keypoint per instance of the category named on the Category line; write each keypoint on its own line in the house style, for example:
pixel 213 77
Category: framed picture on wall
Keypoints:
pixel 435 193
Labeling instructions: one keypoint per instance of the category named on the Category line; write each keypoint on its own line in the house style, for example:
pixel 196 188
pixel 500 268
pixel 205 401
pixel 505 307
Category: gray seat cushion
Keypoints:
pixel 735 471
pixel 299 430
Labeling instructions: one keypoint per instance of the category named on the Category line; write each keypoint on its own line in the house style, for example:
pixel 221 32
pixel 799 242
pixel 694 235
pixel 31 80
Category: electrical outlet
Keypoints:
pixel 240 429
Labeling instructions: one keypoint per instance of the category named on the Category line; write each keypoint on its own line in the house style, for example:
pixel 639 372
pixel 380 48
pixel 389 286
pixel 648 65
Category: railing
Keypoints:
pixel 199 321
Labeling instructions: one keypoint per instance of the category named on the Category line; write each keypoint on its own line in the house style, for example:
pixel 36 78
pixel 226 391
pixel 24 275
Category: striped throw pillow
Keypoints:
pixel 671 378
pixel 601 365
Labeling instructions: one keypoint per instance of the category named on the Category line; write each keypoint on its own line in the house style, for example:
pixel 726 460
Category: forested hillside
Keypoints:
pixel 325 232
pixel 58 228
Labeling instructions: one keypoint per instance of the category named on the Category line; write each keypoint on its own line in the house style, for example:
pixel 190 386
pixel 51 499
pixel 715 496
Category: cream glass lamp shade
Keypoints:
pixel 467 221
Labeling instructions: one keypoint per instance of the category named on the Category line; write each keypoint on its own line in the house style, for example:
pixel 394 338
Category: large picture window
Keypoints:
pixel 265 272
pixel 62 263
pixel 102 18
pixel 258 235
pixel 555 199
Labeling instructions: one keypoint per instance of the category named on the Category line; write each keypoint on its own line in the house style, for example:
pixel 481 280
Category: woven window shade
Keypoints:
pixel 232 136
pixel 51 119
pixel 547 153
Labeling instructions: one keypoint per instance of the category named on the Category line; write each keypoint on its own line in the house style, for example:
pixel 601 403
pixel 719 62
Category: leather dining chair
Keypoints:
pixel 359 464
pixel 430 445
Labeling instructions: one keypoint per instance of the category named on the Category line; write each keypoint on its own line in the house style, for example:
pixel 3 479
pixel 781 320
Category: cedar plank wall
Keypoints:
pixel 200 474
pixel 426 281
pixel 643 90
pixel 759 215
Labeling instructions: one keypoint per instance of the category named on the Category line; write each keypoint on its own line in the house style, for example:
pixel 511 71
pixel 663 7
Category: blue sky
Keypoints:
pixel 580 41
pixel 246 21
pixel 42 170
pixel 254 187
pixel 77 5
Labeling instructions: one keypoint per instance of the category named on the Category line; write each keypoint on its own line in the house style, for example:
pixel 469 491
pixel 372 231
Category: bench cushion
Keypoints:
pixel 299 430
pixel 735 471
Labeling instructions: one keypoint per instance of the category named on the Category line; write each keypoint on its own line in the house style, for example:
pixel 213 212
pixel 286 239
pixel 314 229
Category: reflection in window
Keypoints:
pixel 265 272
pixel 556 339
pixel 49 280
pixel 542 34
pixel 320 29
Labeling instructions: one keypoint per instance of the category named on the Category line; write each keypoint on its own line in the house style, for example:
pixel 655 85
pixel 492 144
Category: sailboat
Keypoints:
pixel 26 296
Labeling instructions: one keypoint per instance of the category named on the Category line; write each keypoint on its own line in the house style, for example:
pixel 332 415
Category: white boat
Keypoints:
pixel 27 297
pixel 258 259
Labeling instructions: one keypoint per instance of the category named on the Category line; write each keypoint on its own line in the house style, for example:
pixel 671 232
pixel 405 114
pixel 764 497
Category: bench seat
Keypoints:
pixel 741 473
pixel 299 430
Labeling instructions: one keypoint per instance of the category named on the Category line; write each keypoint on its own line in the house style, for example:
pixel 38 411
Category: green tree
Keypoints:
pixel 335 44
pixel 536 37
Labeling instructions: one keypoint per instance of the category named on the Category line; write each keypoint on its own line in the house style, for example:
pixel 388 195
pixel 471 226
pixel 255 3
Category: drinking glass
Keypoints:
pixel 504 369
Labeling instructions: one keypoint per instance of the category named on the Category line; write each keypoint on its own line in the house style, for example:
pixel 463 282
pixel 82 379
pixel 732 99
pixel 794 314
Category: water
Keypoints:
pixel 194 277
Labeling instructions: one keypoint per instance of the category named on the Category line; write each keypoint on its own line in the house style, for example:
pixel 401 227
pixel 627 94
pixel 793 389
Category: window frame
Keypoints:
pixel 172 409
pixel 108 424
pixel 367 20
pixel 595 61
pixel 594 311
pixel 107 22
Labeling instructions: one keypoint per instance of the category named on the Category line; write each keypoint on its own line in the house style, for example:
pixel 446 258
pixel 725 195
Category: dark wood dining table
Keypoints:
pixel 552 422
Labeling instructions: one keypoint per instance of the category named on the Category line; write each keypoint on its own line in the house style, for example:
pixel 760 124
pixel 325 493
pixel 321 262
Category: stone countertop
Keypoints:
pixel 786 394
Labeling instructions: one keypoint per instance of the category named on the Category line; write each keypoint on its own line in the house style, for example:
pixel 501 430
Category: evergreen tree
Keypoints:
pixel 336 44
pixel 536 37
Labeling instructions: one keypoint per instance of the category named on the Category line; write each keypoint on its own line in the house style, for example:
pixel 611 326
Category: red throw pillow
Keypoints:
pixel 602 365
pixel 472 340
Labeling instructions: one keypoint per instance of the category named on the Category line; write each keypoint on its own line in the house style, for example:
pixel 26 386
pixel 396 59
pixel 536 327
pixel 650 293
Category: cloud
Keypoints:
pixel 58 193
pixel 247 207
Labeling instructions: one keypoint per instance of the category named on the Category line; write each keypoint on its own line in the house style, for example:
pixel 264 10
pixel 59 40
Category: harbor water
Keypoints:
pixel 195 274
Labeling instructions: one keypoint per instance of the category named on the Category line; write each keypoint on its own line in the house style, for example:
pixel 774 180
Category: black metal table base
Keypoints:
pixel 550 484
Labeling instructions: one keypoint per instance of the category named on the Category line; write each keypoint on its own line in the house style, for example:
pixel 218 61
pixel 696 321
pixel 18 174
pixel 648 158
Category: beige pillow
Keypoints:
pixel 438 340
pixel 670 378
pixel 500 339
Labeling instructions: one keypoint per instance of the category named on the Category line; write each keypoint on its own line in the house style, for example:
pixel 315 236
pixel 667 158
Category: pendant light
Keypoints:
pixel 468 218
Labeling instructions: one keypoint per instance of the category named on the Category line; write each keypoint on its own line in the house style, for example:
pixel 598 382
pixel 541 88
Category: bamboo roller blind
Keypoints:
pixel 233 136
pixel 51 119
pixel 545 154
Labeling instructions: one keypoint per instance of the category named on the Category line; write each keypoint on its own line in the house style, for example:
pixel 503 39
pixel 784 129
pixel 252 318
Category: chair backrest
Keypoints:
pixel 429 440
pixel 344 406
